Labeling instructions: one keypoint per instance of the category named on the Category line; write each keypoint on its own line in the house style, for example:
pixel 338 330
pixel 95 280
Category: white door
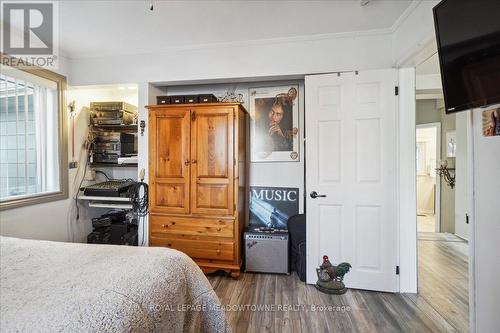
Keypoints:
pixel 351 156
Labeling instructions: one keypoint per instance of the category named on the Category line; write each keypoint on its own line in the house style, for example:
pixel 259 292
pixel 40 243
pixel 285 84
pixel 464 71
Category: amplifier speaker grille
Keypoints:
pixel 266 252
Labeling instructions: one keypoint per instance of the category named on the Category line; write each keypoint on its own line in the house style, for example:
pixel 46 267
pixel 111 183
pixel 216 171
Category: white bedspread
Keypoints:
pixel 63 287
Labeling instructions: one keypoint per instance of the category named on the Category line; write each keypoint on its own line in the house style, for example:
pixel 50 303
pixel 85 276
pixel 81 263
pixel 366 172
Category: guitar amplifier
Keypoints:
pixel 266 252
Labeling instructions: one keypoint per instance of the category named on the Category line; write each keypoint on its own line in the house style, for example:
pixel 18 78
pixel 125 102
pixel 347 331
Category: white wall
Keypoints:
pixel 248 60
pixel 486 224
pixel 56 220
pixel 426 180
pixel 461 181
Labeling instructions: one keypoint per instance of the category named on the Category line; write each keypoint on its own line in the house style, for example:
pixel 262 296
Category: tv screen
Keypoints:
pixel 468 38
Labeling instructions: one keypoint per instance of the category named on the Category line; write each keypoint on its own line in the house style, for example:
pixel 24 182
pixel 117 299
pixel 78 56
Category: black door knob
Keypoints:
pixel 315 195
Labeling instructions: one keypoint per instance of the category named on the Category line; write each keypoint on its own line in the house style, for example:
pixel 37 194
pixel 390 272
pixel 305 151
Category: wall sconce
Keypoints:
pixel 448 174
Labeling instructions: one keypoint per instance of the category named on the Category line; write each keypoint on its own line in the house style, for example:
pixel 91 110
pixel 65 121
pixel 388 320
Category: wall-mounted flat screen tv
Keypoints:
pixel 468 38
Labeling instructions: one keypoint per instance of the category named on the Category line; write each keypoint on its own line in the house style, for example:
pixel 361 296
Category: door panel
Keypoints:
pixel 212 195
pixel 169 160
pixel 211 159
pixel 212 145
pixel 351 158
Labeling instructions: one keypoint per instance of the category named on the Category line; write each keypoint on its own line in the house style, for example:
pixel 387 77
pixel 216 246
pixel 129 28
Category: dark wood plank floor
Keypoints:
pixel 440 306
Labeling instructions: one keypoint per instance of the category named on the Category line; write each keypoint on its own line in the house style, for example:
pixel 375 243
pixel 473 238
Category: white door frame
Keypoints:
pixel 437 199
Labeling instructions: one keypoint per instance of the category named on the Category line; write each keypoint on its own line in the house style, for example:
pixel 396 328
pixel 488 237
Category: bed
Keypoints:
pixel 65 287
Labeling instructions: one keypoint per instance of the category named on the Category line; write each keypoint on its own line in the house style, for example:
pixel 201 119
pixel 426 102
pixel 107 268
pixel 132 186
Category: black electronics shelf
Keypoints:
pixel 131 129
pixel 113 165
pixel 118 128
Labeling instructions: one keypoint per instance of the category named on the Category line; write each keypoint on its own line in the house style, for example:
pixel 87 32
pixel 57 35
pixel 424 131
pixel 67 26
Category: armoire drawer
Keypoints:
pixel 191 226
pixel 197 249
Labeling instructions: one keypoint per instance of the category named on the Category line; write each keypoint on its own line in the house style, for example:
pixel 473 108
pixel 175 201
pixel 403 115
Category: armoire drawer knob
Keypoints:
pixel 164 225
pixel 219 229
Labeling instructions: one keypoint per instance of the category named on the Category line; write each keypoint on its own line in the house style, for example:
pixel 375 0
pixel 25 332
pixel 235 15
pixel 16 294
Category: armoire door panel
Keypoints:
pixel 212 145
pixel 170 196
pixel 170 161
pixel 170 149
pixel 212 196
pixel 211 160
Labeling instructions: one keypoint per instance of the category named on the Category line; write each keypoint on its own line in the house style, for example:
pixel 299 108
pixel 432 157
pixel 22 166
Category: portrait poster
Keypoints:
pixel 274 113
pixel 272 206
pixel 491 122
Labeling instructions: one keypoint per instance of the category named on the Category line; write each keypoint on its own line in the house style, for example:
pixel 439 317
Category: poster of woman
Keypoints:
pixel 491 122
pixel 274 126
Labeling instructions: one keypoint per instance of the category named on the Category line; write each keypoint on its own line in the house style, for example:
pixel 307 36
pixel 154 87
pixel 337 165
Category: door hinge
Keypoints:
pixel 396 90
pixel 397 270
pixel 467 218
pixel 193 116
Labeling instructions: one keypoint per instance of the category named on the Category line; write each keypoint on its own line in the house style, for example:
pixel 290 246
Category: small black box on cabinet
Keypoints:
pixel 162 99
pixel 207 98
pixel 176 99
pixel 190 99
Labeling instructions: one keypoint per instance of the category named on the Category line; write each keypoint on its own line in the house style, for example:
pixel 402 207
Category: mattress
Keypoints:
pixel 54 286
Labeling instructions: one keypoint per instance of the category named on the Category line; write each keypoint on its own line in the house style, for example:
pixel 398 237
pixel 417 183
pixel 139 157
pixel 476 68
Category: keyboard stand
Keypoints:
pixel 106 202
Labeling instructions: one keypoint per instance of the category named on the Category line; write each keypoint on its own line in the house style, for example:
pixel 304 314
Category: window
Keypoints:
pixel 33 155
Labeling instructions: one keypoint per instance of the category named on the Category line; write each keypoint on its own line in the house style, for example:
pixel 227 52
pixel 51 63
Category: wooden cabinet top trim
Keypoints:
pixel 194 105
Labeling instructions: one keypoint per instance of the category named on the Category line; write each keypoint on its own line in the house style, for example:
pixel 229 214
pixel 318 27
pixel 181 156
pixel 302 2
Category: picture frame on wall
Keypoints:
pixel 271 207
pixel 274 126
pixel 491 122
pixel 451 143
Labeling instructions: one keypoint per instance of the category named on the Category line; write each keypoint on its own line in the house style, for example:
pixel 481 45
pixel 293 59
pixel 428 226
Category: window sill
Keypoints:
pixel 33 200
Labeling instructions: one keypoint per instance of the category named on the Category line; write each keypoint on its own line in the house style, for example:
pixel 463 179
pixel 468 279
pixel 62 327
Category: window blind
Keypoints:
pixel 29 162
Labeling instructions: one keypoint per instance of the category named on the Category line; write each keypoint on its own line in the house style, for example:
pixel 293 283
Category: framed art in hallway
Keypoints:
pixel 491 122
pixel 274 125
pixel 451 143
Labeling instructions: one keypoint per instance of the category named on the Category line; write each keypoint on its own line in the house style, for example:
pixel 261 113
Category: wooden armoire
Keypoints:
pixel 198 181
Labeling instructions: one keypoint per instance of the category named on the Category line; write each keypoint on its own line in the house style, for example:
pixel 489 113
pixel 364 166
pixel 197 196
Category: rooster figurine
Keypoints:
pixel 330 277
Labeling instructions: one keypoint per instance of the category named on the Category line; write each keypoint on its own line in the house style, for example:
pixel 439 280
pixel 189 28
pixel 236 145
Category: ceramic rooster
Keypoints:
pixel 330 277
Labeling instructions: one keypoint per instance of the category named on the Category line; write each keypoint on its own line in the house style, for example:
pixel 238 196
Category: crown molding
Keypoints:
pixel 407 12
pixel 247 43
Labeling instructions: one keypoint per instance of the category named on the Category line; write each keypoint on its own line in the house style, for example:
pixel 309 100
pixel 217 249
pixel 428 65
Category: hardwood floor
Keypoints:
pixel 426 223
pixel 443 276
pixel 441 305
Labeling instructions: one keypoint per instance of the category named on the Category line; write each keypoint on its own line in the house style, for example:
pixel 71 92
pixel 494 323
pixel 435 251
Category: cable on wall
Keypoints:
pixel 138 194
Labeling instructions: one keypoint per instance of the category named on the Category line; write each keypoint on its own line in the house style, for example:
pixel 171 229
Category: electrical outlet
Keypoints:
pixel 90 175
pixel 73 165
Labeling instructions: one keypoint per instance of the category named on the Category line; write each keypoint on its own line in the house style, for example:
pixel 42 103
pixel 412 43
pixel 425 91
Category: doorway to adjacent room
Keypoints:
pixel 428 152
pixel 441 181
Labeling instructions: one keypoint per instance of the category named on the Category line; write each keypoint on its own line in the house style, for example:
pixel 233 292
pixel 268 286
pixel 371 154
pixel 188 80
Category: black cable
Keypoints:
pixel 78 190
pixel 103 173
pixel 140 203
